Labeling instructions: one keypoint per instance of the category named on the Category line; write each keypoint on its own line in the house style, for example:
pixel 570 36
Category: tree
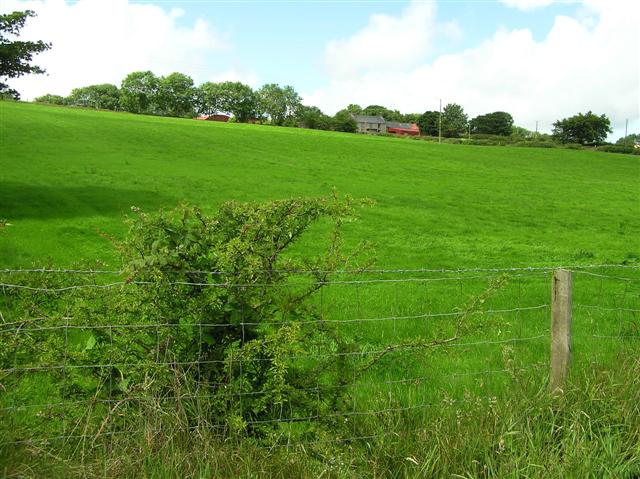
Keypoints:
pixel 176 95
pixel 51 99
pixel 354 109
pixel 278 103
pixel 343 121
pixel 384 112
pixel 239 100
pixel 209 100
pixel 496 123
pixel 428 123
pixel 410 117
pixel 312 117
pixel 105 96
pixel 16 56
pixel 138 92
pixel 629 139
pixel 582 128
pixel 521 133
pixel 454 121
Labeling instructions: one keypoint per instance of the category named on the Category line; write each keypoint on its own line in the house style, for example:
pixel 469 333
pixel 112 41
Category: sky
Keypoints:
pixel 540 60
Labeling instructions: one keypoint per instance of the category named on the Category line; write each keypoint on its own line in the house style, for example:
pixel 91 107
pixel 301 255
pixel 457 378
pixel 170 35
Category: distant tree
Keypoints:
pixel 209 99
pixel 496 123
pixel 278 103
pixel 410 117
pixel 105 96
pixel 454 121
pixel 428 123
pixel 384 112
pixel 138 92
pixel 16 56
pixel 343 121
pixel 176 95
pixel 51 99
pixel 520 133
pixel 239 100
pixel 354 109
pixel 585 128
pixel 312 117
pixel 629 139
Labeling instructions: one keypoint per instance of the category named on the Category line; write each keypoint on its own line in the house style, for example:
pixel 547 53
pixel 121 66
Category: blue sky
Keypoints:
pixel 541 60
pixel 284 41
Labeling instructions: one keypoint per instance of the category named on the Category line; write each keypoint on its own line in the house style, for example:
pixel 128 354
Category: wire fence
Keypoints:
pixel 90 355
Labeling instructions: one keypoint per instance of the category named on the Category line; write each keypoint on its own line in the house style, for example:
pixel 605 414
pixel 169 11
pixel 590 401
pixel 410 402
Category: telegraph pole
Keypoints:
pixel 536 127
pixel 626 127
pixel 440 123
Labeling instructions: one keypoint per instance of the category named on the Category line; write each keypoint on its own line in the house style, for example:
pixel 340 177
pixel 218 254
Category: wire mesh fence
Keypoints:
pixel 87 355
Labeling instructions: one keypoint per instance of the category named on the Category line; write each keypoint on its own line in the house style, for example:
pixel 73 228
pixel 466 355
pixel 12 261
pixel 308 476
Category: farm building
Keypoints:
pixel 370 124
pixel 223 118
pixel 410 129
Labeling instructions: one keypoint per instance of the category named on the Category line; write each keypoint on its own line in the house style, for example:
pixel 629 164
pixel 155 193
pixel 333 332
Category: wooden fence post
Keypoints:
pixel 561 292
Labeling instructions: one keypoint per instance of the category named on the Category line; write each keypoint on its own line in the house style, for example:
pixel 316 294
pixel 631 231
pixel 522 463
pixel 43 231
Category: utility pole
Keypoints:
pixel 626 127
pixel 536 127
pixel 469 125
pixel 440 123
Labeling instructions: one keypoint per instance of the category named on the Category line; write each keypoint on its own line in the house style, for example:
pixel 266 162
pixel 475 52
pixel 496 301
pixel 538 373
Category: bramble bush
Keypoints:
pixel 211 310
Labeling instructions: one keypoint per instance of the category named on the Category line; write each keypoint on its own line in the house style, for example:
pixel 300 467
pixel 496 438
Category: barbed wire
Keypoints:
pixel 605 276
pixel 346 414
pixel 238 285
pixel 401 348
pixel 630 336
pixel 604 308
pixel 319 321
pixel 317 389
pixel 354 271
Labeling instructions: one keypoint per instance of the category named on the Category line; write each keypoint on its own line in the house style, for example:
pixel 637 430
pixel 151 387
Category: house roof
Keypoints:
pixel 403 126
pixel 368 119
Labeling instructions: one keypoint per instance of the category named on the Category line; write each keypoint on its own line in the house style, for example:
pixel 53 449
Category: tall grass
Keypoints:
pixel 591 431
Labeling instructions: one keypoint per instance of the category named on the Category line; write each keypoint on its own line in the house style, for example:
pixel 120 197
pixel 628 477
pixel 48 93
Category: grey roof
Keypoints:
pixel 395 124
pixel 368 119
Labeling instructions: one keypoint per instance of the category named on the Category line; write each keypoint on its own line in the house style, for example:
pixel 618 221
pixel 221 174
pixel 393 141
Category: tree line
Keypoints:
pixel 176 95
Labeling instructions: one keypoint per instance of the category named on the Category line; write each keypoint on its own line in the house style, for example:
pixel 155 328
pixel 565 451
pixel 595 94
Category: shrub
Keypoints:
pixel 240 325
pixel 629 150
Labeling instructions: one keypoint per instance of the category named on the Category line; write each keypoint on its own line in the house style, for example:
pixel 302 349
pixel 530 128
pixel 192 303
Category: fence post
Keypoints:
pixel 561 291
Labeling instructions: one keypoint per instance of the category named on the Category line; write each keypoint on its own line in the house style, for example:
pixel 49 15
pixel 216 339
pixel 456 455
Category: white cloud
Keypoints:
pixel 98 41
pixel 576 67
pixel 236 74
pixel 387 42
pixel 527 4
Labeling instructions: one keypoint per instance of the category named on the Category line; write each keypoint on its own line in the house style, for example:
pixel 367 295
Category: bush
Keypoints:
pixel 573 146
pixel 629 150
pixel 241 326
pixel 51 99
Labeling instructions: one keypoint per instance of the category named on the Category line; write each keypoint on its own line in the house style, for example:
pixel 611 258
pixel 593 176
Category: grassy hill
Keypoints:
pixel 477 407
pixel 69 173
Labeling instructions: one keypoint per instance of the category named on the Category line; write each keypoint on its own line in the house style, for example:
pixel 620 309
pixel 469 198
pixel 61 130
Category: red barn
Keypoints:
pixel 410 129
pixel 223 118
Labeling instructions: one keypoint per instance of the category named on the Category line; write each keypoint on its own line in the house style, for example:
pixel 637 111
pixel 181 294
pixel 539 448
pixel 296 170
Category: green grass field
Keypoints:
pixel 69 175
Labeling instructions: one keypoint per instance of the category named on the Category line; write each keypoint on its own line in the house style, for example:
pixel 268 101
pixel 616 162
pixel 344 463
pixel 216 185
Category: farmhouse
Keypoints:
pixel 377 124
pixel 223 118
pixel 370 124
pixel 410 129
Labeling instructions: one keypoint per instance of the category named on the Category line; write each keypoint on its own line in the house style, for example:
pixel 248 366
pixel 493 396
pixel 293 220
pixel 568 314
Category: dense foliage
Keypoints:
pixel 222 288
pixel 429 123
pixel 104 96
pixel 583 128
pixel 16 56
pixel 496 123
pixel 454 121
